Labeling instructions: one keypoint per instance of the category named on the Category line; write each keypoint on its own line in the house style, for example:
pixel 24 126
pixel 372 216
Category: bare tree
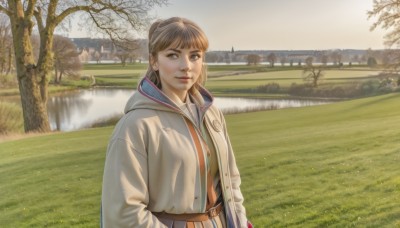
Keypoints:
pixel 115 18
pixel 336 58
pixel 66 60
pixel 387 16
pixel 271 58
pixel 313 74
pixel 97 57
pixel 253 59
pixel 283 60
pixel 324 59
pixel 356 58
pixel 390 60
pixel 126 50
pixel 125 56
pixel 309 61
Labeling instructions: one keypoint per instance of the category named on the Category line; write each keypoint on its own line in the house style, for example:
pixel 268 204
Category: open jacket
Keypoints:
pixel 152 164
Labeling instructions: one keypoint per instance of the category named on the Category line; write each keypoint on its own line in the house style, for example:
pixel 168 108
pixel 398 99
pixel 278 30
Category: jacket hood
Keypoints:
pixel 149 96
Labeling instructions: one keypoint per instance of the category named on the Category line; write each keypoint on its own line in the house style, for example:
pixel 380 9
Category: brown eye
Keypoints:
pixel 172 56
pixel 195 57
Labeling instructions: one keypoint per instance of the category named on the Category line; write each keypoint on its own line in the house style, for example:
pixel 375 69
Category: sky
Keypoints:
pixel 279 24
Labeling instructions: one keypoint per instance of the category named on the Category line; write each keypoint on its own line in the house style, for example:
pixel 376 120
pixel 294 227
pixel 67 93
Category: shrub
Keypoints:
pixel 371 62
pixel 268 88
pixel 366 88
pixel 301 90
pixel 10 118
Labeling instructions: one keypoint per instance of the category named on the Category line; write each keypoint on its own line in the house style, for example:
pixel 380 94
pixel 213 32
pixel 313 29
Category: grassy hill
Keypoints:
pixel 331 165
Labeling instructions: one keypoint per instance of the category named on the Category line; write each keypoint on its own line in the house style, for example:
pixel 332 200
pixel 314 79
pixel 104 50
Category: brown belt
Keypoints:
pixel 194 217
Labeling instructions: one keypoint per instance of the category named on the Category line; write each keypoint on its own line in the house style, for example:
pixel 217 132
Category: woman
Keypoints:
pixel 169 161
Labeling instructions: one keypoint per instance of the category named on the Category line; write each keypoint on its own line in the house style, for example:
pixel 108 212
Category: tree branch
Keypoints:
pixel 5 10
pixel 75 9
pixel 51 12
pixel 30 9
pixel 39 20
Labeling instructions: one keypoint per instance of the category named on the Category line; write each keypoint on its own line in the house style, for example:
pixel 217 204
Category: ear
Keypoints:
pixel 153 63
pixel 155 66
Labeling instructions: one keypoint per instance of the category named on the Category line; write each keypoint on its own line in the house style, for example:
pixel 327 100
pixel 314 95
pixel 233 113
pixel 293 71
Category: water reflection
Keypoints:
pixel 229 105
pixel 80 109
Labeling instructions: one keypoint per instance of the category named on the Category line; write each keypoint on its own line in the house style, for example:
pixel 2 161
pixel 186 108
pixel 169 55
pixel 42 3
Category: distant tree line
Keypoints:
pixel 337 58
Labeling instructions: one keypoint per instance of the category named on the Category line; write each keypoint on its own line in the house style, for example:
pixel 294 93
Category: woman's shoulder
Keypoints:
pixel 136 118
pixel 214 111
pixel 132 122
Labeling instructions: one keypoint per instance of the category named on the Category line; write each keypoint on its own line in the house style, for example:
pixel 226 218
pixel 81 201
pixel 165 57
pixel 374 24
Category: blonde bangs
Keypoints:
pixel 183 36
pixel 190 38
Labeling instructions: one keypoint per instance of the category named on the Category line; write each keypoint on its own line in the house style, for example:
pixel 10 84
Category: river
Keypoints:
pixel 79 109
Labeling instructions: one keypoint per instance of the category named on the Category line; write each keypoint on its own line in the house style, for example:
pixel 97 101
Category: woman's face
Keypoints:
pixel 179 69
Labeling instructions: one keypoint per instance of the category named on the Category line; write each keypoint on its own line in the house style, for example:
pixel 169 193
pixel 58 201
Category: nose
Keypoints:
pixel 185 63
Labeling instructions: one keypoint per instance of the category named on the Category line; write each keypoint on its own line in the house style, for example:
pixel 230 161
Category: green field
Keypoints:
pixel 333 165
pixel 283 78
pixel 231 80
pixel 228 80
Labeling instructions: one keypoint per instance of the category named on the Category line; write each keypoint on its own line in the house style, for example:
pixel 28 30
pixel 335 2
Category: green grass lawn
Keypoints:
pixel 328 166
pixel 232 84
pixel 235 77
pixel 334 165
pixel 115 74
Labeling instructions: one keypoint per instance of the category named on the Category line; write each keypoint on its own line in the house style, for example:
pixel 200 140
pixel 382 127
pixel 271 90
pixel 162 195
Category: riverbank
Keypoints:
pixel 235 81
pixel 315 166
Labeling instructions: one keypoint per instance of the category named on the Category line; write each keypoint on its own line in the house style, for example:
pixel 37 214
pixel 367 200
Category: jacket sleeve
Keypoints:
pixel 125 194
pixel 235 180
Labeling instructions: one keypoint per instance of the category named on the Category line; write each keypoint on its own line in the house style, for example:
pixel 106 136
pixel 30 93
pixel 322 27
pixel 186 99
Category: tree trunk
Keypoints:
pixel 34 111
pixel 33 108
pixel 9 60
pixel 45 61
pixel 61 74
pixel 2 65
pixel 56 81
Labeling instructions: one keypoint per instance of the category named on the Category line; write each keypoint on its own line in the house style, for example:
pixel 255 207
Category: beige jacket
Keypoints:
pixel 152 164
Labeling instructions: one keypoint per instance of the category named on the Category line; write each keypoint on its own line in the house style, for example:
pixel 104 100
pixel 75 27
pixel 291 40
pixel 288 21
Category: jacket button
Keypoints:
pixel 196 197
pixel 216 125
pixel 226 174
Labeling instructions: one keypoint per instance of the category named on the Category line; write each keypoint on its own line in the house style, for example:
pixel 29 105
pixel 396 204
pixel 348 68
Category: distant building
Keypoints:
pixel 84 56
pixel 104 47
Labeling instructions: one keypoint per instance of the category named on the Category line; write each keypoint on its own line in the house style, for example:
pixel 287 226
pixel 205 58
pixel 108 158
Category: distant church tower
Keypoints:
pixel 232 50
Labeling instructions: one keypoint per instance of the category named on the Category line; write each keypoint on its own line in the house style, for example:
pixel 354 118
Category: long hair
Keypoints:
pixel 181 33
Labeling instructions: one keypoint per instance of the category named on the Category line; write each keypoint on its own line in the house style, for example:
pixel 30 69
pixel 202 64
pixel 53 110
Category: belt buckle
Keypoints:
pixel 212 212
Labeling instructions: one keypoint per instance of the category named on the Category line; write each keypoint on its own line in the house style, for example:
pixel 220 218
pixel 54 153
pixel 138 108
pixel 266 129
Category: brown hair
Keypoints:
pixel 179 32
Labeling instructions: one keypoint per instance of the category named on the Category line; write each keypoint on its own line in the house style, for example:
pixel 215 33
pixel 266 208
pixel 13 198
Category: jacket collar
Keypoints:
pixel 203 100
